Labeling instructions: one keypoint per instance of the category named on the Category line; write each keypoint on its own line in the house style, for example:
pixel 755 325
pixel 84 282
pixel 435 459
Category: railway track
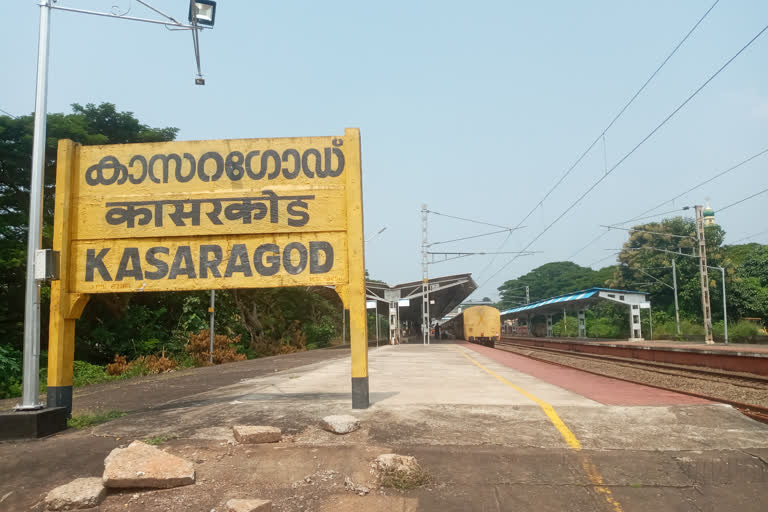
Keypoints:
pixel 693 377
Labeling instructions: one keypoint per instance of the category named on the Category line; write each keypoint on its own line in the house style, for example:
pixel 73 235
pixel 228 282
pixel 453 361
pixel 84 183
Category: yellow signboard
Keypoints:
pixel 199 215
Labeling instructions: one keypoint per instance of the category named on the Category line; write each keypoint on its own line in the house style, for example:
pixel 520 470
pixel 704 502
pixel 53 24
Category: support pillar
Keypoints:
pixel 582 323
pixel 392 323
pixel 635 332
pixel 549 325
pixel 66 307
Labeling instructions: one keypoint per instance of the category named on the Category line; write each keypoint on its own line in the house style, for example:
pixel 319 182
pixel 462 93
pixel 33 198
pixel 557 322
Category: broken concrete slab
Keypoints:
pixel 236 505
pixel 142 465
pixel 256 434
pixel 78 494
pixel 340 423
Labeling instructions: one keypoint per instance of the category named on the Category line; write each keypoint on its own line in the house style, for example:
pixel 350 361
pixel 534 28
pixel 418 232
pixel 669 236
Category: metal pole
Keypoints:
pixel 211 310
pixel 376 313
pixel 425 320
pixel 650 319
pixel 565 323
pixel 31 379
pixel 677 308
pixel 725 311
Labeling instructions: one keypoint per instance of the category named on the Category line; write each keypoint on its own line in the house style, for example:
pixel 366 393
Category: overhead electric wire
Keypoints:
pixel 642 216
pixel 468 237
pixel 608 127
pixel 748 237
pixel 701 184
pixel 603 259
pixel 7 113
pixel 742 200
pixel 636 147
pixel 505 228
pixel 598 237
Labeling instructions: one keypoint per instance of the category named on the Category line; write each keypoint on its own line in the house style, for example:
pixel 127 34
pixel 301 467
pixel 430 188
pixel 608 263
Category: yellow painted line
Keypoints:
pixel 589 467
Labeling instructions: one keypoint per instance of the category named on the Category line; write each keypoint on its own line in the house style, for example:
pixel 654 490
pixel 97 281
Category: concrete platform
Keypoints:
pixel 481 422
pixel 435 395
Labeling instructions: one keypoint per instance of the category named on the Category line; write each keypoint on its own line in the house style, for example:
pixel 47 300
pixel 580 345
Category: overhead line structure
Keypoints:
pixel 660 233
pixel 698 185
pixel 636 147
pixel 608 127
pixel 426 254
pixel 641 216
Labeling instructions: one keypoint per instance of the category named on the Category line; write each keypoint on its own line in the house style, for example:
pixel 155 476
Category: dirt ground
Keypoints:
pixel 483 448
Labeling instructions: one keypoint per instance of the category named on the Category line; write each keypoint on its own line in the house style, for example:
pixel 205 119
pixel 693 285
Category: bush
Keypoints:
pixel 224 348
pixel 142 365
pixel 319 335
pixel 86 373
pixel 10 371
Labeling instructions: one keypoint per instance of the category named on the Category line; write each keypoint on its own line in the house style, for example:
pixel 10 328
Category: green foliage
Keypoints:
pixel 319 335
pixel 90 420
pixel 282 319
pixel 154 441
pixel 89 124
pixel 10 371
pixel 86 373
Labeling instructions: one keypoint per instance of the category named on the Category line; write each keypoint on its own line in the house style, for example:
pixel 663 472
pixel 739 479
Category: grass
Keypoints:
pixel 154 441
pixel 405 480
pixel 89 420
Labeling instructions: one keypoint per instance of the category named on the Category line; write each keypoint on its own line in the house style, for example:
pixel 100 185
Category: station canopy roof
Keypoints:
pixel 574 300
pixel 447 292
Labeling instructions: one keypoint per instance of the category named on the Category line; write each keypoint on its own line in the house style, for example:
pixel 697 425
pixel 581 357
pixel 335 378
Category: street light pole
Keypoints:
pixel 725 311
pixel 31 382
pixel 674 283
pixel 31 364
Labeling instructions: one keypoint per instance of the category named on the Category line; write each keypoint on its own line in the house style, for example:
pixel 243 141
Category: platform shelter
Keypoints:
pixel 579 302
pixel 402 303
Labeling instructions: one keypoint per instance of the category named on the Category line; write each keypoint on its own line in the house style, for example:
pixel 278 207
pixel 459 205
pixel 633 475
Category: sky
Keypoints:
pixel 475 110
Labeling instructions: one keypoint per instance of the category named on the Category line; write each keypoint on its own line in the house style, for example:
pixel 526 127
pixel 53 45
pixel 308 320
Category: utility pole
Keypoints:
pixel 527 295
pixel 211 310
pixel 703 276
pixel 674 284
pixel 424 277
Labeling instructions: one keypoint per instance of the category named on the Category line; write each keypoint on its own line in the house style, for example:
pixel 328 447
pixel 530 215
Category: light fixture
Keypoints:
pixel 202 12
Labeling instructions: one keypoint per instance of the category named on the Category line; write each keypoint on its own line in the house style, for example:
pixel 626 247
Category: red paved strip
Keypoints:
pixel 605 390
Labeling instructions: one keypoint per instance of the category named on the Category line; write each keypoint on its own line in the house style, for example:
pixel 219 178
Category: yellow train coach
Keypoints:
pixel 477 324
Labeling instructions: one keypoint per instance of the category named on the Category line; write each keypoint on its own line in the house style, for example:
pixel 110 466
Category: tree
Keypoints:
pixel 644 264
pixel 552 279
pixel 89 124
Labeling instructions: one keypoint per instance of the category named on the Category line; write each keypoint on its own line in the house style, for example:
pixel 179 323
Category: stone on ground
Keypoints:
pixel 142 465
pixel 77 494
pixel 249 506
pixel 340 424
pixel 392 462
pixel 254 434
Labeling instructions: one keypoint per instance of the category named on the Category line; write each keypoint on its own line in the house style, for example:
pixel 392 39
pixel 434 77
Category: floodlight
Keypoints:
pixel 199 81
pixel 202 12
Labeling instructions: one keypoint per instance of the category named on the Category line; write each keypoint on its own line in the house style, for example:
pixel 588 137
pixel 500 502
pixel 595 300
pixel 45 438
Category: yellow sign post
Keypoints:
pixel 201 215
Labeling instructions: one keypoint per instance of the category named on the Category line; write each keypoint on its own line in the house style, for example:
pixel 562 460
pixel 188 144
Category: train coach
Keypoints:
pixel 477 324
